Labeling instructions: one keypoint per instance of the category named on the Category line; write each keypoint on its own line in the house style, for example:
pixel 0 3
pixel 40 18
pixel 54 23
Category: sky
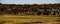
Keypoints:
pixel 29 1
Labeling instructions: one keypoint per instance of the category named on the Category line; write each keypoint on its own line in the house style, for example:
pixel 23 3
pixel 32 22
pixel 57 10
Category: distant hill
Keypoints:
pixel 30 9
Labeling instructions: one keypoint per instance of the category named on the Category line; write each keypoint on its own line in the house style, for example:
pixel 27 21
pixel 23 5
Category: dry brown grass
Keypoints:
pixel 16 19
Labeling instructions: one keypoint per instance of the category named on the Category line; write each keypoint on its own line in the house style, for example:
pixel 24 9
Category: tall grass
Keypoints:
pixel 20 19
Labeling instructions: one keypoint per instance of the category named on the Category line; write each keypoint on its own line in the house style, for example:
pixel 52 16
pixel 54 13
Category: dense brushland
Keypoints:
pixel 34 9
pixel 18 14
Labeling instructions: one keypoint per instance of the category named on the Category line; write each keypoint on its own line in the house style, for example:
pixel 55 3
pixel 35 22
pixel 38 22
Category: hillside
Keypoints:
pixel 27 9
pixel 30 14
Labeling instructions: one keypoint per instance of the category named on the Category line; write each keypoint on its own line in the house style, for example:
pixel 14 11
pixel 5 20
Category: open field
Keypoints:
pixel 15 19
